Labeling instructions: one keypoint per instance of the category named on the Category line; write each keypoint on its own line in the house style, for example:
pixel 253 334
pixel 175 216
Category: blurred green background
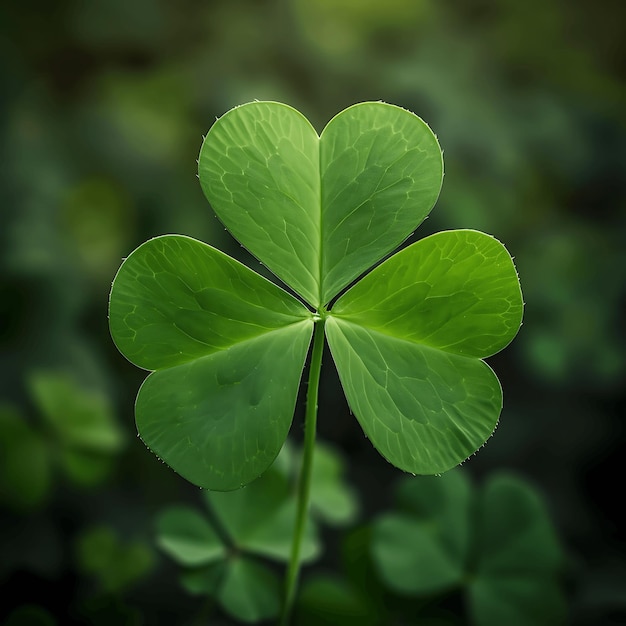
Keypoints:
pixel 103 107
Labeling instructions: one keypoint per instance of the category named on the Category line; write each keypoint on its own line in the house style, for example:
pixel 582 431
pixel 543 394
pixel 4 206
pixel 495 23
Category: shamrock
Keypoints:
pixel 497 544
pixel 222 554
pixel 226 347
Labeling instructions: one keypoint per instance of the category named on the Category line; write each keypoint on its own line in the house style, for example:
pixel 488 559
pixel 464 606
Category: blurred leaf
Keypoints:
pixel 81 419
pixel 86 468
pixel 25 469
pixel 574 325
pixel 402 549
pixel 443 504
pixel 342 26
pixel 244 509
pixel 143 118
pixel 518 557
pixel 115 564
pixel 513 577
pixel 273 539
pixel 333 500
pixel 517 600
pixel 205 580
pixel 260 517
pixel 187 537
pixel 98 219
pixel 359 566
pixel 249 592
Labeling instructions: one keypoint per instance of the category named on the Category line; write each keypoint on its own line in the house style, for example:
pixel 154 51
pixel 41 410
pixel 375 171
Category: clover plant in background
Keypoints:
pixel 114 563
pixel 76 432
pixel 498 545
pixel 227 348
pixel 220 549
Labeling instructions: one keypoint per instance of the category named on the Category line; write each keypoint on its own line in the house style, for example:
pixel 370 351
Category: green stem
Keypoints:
pixel 304 481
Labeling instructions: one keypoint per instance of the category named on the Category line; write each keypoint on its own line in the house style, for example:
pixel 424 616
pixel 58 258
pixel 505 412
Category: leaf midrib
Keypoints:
pixel 421 344
pixel 308 320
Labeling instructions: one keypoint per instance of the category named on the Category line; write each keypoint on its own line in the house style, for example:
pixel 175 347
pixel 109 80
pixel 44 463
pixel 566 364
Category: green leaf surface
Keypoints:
pixel 228 348
pixel 332 498
pixel 175 300
pixel 25 463
pixel 86 468
pixel 519 556
pixel 320 210
pixel 241 511
pixel 424 410
pixel 498 544
pixel 514 524
pixel 408 558
pixel 187 537
pixel 116 564
pixel 517 601
pixel 80 418
pixel 250 592
pixel 260 518
pixel 455 291
pixel 221 420
pixel 425 548
pixel 444 504
pixel 405 340
pixel 204 580
pixel 274 538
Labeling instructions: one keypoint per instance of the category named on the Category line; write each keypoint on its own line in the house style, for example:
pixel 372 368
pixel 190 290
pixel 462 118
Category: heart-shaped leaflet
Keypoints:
pixel 320 210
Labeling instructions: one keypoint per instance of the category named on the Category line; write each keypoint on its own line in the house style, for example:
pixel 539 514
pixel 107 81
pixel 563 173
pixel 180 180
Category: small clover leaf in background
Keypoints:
pixel 498 545
pixel 116 565
pixel 220 549
pixel 76 430
pixel 25 464
pixel 333 500
pixel 83 430
pixel 226 347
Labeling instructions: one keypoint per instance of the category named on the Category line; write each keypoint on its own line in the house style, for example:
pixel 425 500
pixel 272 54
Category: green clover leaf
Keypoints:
pixel 220 552
pixel 498 545
pixel 226 347
pixel 116 564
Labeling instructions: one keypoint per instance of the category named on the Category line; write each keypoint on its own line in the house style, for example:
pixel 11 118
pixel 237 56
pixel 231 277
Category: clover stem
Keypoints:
pixel 304 480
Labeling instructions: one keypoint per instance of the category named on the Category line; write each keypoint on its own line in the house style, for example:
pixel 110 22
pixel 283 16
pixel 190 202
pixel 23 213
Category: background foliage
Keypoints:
pixel 103 108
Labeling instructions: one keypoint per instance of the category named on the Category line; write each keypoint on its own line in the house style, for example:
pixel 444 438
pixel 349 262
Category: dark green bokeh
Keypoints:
pixel 103 109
